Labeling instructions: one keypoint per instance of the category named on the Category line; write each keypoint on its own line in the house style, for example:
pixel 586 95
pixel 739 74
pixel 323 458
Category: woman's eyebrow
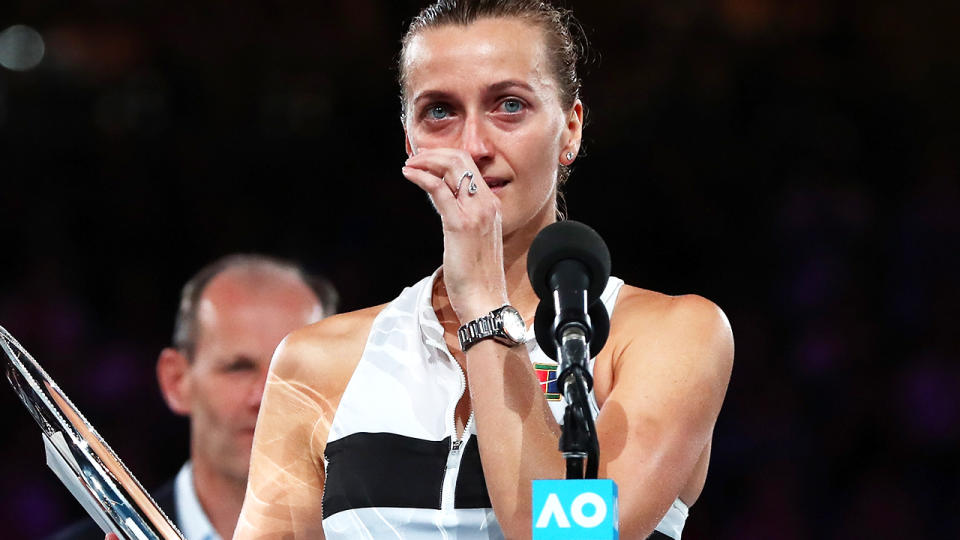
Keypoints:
pixel 432 95
pixel 509 84
pixel 441 95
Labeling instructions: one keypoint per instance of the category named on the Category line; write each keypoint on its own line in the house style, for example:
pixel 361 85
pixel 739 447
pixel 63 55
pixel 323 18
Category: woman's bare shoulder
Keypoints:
pixel 326 351
pixel 646 314
pixel 634 302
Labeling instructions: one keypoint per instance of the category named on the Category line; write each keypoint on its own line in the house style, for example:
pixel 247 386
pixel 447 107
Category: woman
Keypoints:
pixel 377 423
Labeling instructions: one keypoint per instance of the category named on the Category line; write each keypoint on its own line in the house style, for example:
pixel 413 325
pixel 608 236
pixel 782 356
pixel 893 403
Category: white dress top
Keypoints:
pixel 394 466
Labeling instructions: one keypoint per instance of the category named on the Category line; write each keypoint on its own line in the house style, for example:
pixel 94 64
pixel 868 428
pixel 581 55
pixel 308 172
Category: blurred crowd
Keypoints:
pixel 796 162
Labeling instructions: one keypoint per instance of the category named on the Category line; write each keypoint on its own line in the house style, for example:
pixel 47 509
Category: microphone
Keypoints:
pixel 568 265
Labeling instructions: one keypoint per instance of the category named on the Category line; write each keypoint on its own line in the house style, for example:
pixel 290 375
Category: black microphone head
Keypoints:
pixel 568 240
pixel 547 339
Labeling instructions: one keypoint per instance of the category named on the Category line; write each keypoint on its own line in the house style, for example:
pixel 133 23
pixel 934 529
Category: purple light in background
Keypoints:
pixel 929 400
pixel 813 282
pixel 34 508
pixel 818 353
pixel 115 372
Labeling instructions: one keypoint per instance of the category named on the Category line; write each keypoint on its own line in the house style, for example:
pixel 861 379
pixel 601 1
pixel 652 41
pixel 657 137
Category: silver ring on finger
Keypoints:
pixel 472 188
pixel 466 174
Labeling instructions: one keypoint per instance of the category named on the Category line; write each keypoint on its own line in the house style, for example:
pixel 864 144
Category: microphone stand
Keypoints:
pixel 578 439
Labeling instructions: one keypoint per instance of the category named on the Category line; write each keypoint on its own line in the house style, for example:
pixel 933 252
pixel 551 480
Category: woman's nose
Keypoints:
pixel 475 140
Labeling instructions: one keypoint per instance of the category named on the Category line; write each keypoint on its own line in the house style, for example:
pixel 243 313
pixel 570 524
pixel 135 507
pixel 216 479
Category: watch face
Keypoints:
pixel 513 324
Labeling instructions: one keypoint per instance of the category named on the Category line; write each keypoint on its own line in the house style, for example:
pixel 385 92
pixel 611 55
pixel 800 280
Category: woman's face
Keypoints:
pixel 487 89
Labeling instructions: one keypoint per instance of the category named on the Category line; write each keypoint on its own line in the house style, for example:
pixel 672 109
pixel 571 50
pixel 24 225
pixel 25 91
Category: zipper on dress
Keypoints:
pixel 452 467
pixel 326 467
pixel 452 462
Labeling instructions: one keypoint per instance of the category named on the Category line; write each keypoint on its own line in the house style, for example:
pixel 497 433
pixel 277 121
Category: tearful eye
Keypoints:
pixel 512 106
pixel 438 112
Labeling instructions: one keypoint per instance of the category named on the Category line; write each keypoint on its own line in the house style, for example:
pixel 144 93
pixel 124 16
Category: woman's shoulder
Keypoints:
pixel 637 302
pixel 342 326
pixel 644 314
pixel 327 350
pixel 667 342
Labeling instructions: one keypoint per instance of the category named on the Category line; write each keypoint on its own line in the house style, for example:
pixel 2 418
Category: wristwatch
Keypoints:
pixel 503 324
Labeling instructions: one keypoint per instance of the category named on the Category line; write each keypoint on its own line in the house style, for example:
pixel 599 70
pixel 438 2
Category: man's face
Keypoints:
pixel 241 320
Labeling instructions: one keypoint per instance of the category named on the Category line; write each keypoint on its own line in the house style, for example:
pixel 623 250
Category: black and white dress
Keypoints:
pixel 394 466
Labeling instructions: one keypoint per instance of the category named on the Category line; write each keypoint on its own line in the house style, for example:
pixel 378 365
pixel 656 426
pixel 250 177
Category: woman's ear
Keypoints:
pixel 406 143
pixel 574 129
pixel 411 151
pixel 173 374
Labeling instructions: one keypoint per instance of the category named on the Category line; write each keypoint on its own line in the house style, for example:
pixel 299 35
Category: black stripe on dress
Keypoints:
pixel 367 470
pixel 383 469
pixel 471 489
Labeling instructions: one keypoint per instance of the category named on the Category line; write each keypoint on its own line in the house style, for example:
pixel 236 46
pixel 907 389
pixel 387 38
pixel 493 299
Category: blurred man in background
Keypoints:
pixel 233 313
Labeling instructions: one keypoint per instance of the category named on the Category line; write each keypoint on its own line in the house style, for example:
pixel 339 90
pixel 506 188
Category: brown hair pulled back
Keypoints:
pixel 564 38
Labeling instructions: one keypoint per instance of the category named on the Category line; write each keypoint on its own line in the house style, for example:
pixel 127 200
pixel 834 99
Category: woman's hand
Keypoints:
pixel 472 234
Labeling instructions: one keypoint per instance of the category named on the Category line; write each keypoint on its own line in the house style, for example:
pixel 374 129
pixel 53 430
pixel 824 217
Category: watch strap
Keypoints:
pixel 485 327
pixel 476 330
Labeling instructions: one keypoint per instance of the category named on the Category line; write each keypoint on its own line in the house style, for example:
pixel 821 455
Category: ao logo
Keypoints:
pixel 554 510
pixel 575 510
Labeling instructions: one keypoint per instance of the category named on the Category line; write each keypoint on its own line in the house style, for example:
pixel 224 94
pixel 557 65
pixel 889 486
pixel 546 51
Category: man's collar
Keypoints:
pixel 192 520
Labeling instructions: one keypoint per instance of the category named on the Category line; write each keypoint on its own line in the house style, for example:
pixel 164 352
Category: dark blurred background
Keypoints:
pixel 793 160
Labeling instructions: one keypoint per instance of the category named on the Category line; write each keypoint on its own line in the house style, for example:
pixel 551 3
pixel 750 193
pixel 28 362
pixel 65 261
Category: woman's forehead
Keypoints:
pixel 482 53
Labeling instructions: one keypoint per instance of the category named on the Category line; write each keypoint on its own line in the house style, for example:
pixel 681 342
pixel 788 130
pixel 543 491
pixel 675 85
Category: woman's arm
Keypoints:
pixel 285 487
pixel 308 374
pixel 671 365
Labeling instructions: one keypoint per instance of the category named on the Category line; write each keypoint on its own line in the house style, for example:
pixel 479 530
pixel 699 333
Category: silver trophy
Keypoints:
pixel 81 458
